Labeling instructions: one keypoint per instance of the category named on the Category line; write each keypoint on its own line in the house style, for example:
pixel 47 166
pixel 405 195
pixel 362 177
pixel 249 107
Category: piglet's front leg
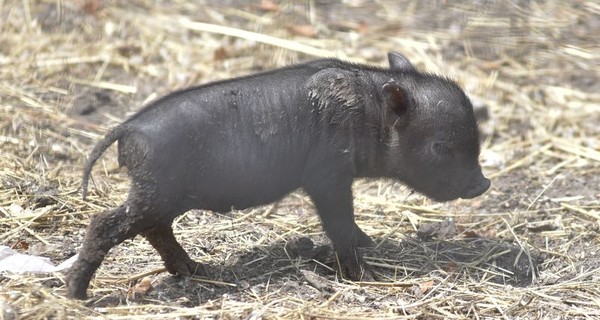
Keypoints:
pixel 333 198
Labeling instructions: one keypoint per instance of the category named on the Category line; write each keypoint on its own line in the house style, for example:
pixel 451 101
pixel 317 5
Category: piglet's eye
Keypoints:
pixel 442 149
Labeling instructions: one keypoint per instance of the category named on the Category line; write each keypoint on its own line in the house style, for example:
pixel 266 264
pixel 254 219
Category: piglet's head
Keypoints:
pixel 433 140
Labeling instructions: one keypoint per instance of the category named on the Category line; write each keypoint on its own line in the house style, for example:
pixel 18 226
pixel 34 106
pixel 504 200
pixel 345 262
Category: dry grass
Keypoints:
pixel 529 248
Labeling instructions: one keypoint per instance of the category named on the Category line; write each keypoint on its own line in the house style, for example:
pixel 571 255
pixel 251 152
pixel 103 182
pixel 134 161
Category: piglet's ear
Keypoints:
pixel 399 62
pixel 395 98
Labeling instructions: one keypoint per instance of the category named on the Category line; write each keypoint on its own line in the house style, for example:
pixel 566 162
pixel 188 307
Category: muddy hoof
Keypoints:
pixel 354 268
pixel 186 268
pixel 76 290
pixel 363 274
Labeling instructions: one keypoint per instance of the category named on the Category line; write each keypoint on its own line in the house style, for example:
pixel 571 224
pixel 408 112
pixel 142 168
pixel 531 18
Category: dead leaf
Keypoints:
pixel 488 233
pixel 267 5
pixel 304 30
pixel 426 286
pixel 220 54
pixel 470 234
pixel 451 267
pixel 481 233
pixel 141 287
pixel 20 245
pixel 92 6
pixel 362 27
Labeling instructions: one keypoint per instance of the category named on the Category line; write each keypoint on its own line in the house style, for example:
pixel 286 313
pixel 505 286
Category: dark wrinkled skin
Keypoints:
pixel 251 140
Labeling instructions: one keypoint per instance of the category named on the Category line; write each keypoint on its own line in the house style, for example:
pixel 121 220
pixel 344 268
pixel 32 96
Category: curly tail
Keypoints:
pixel 100 147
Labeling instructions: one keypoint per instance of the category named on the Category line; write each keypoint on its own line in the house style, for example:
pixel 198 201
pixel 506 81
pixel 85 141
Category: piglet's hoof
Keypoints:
pixel 78 278
pixel 362 274
pixel 76 291
pixel 186 268
pixel 355 269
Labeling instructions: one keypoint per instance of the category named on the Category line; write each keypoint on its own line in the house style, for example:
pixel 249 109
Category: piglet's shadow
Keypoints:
pixel 279 266
pixel 479 259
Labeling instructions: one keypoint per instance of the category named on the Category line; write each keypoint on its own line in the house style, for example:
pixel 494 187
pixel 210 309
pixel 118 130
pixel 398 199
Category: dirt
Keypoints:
pixel 255 269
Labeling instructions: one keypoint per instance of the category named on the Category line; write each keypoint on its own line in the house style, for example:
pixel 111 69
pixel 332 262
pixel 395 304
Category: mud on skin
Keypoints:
pixel 249 141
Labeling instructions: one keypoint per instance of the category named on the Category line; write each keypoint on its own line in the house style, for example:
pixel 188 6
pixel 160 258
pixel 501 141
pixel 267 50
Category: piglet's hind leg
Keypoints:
pixel 105 231
pixel 174 256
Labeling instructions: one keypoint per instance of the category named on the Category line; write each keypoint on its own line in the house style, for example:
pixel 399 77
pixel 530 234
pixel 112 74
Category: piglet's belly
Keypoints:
pixel 225 197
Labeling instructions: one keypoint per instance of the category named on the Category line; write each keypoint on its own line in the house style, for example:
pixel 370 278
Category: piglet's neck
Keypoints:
pixel 375 135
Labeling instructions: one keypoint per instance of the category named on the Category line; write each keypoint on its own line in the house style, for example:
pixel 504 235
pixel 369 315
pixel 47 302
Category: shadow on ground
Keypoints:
pixel 301 267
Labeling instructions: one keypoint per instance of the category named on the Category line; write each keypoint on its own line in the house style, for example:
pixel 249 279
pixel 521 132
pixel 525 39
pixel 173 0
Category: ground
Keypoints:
pixel 529 248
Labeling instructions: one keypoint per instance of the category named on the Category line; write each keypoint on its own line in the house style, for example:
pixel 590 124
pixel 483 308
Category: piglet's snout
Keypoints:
pixel 478 185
